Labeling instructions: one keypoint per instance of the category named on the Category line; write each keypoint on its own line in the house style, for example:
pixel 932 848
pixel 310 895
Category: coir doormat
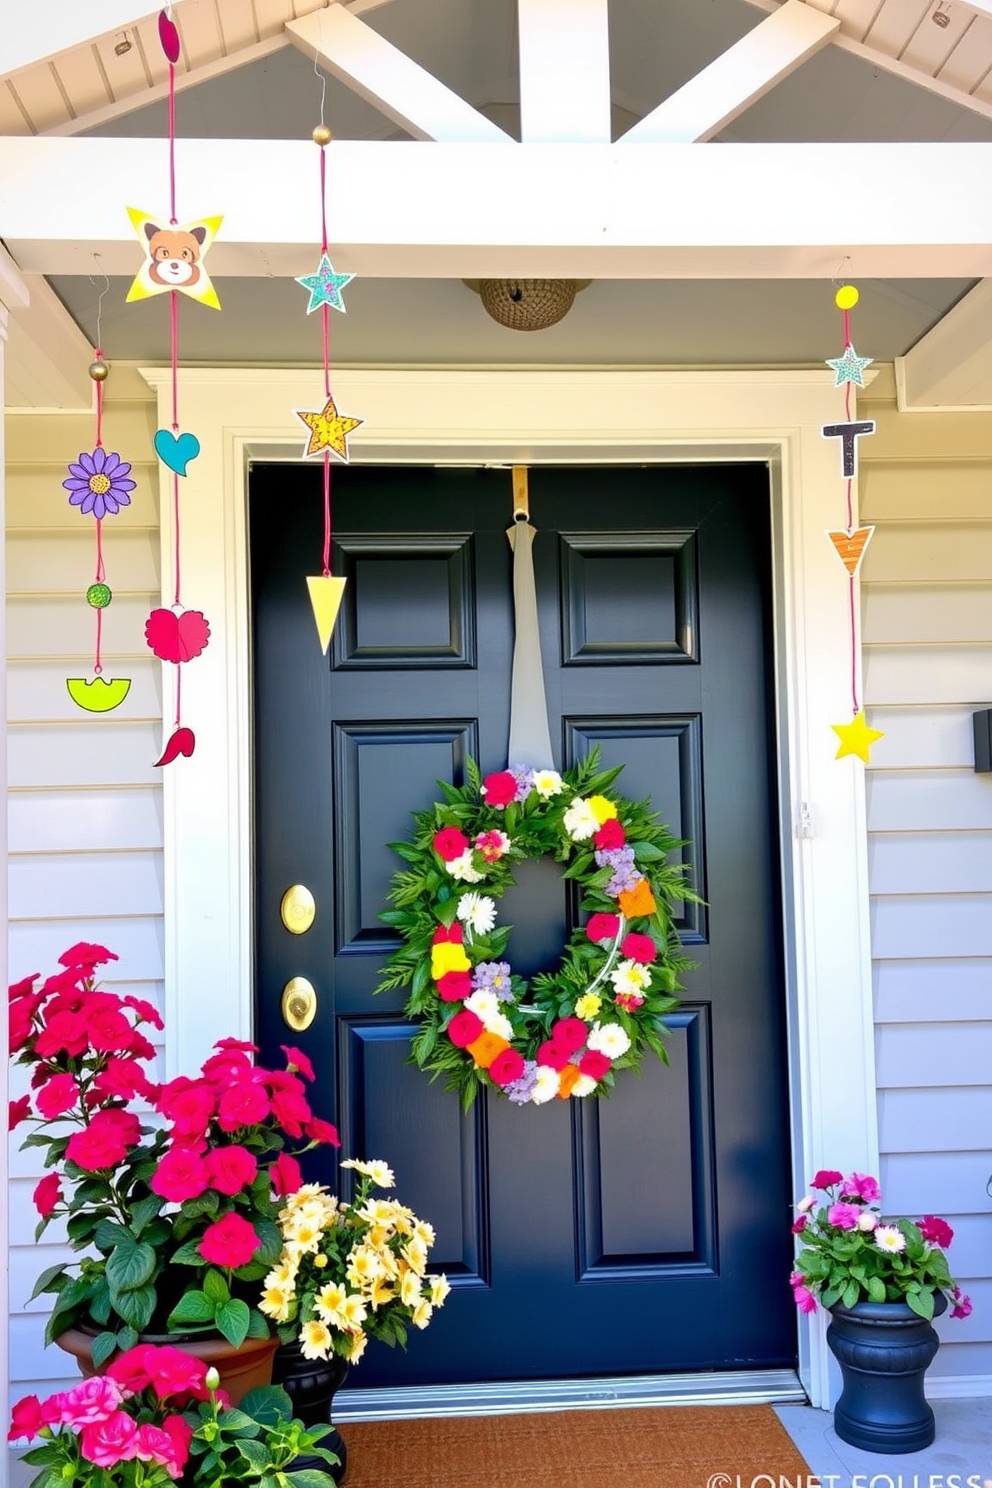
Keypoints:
pixel 724 1446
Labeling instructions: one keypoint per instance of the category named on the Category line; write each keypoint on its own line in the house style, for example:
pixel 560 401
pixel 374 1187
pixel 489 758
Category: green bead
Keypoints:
pixel 99 596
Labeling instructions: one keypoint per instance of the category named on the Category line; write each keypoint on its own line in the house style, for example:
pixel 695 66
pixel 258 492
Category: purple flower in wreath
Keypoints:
pixel 99 483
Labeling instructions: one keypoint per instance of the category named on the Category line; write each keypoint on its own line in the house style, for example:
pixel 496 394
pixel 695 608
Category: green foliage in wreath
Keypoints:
pixel 566 1033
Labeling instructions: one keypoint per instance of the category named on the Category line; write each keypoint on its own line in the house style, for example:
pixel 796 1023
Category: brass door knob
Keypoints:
pixel 299 1004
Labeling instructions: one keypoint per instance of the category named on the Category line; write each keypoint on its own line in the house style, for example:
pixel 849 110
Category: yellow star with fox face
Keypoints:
pixel 328 430
pixel 856 737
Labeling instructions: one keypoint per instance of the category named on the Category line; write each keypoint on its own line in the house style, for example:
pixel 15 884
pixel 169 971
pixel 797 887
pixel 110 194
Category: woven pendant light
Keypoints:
pixel 527 304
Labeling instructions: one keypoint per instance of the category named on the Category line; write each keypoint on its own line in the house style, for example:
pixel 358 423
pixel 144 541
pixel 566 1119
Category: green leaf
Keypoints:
pixel 921 1303
pixel 236 1420
pixel 193 1307
pixel 271 1238
pixel 876 1289
pixel 130 1265
pixel 232 1320
pixel 104 1344
pixel 851 1293
pixel 255 1452
pixel 127 1338
pixel 108 1234
pixel 257 1325
pixel 144 1211
pixel 187 1255
pixel 44 1282
pixel 215 1288
pixel 309 1477
pixel 268 1404
pixel 136 1308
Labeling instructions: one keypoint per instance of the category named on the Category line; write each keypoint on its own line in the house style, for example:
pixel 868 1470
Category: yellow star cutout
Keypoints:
pixel 856 737
pixel 328 430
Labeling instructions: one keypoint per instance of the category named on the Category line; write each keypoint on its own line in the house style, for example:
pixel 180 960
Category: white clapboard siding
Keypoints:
pixel 930 553
pixel 928 801
pixel 935 991
pixel 920 736
pixel 85 820
pixel 931 862
pixel 907 614
pixel 84 800
pixel 927 665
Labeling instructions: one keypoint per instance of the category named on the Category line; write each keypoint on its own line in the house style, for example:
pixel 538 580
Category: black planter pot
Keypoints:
pixel 884 1351
pixel 311 1385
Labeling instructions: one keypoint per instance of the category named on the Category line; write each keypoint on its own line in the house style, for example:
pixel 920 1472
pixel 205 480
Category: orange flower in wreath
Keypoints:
pixel 485 1048
pixel 638 901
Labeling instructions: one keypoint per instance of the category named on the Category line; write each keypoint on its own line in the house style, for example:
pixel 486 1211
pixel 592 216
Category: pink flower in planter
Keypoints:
pixel 57 1097
pixel 862 1186
pixel 230 1169
pixel 26 1418
pixel 174 1373
pixel 937 1231
pixel 180 1175
pixel 826 1178
pixel 844 1216
pixel 229 1242
pixel 91 1401
pixel 110 1441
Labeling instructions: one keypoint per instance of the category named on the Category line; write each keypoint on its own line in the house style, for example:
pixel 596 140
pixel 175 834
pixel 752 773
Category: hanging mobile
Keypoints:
pixel 174 264
pixel 99 484
pixel 329 429
pixel 851 543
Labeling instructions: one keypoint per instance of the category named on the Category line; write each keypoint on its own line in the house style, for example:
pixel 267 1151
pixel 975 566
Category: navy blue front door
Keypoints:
pixel 648 1232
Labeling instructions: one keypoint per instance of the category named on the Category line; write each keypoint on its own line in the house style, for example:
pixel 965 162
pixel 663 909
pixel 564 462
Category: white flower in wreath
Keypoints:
pixel 545 1085
pixel 581 821
pixel 548 783
pixel 486 1007
pixel 478 912
pixel 464 869
pixel 584 1085
pixel 630 976
pixel 610 1039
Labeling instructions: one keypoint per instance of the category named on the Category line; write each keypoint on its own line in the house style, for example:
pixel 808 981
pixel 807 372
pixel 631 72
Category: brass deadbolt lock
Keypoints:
pixel 299 1004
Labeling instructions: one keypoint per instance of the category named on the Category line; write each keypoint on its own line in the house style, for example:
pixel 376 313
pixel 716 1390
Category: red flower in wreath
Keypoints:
pixel 449 844
pixel 500 789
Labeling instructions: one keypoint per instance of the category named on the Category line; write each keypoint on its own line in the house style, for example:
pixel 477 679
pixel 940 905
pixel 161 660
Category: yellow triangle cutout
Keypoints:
pixel 326 595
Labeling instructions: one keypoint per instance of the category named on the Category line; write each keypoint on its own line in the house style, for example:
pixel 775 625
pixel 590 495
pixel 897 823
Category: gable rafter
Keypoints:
pixel 392 82
pixel 739 77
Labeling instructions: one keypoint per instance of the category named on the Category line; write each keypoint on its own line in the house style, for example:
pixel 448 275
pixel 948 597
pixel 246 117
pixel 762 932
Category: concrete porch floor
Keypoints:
pixel 962 1451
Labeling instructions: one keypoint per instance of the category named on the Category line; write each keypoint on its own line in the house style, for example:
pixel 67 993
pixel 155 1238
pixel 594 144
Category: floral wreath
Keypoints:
pixel 567 1032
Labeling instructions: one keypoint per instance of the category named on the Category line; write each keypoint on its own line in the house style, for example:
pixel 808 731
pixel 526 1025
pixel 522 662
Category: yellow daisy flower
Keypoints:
pixel 354 1311
pixel 357 1348
pixel 315 1340
pixel 440 1287
pixel 410 1289
pixel 330 1301
pixel 422 1313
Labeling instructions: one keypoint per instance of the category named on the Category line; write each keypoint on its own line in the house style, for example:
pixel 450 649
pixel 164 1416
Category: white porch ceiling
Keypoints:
pixel 868 71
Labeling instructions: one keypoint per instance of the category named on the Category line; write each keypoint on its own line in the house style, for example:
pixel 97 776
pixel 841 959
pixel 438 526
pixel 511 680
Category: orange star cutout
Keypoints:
pixel 856 737
pixel 328 430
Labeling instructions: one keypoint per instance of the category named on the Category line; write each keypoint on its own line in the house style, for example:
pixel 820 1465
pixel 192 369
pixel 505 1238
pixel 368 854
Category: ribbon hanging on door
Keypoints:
pixel 530 734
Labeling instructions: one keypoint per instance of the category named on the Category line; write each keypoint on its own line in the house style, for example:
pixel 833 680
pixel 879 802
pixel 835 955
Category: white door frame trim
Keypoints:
pixel 557 416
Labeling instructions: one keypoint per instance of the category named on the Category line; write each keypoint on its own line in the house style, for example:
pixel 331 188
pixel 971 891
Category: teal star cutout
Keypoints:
pixel 325 286
pixel 850 367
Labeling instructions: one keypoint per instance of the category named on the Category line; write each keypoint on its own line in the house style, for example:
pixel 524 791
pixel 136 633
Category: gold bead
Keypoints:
pixel 322 135
pixel 98 370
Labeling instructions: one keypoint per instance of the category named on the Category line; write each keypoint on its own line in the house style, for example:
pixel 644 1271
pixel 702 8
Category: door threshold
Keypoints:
pixel 716 1387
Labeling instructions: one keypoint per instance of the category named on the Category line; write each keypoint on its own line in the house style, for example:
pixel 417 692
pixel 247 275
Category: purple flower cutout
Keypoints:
pixel 99 484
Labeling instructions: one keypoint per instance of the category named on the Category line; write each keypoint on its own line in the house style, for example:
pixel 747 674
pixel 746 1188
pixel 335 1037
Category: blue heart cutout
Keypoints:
pixel 176 450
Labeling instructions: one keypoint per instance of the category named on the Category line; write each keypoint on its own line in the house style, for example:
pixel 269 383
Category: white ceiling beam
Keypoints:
pixel 743 74
pixel 951 366
pixel 564 71
pixel 385 77
pixel 877 58
pixel 43 28
pixel 584 211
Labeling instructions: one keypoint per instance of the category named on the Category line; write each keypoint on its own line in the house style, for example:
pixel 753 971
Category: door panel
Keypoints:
pixel 641 1233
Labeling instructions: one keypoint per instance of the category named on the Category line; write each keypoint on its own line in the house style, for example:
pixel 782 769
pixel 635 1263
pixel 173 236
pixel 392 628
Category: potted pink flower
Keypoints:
pixel 157 1416
pixel 176 1224
pixel 883 1281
